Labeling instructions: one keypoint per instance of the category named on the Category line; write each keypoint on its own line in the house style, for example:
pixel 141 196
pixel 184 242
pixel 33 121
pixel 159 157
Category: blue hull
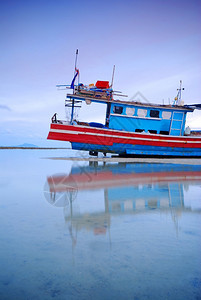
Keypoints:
pixel 128 149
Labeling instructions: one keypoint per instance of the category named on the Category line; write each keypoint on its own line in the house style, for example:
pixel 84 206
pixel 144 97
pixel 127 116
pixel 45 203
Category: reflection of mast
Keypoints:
pixel 106 201
pixel 107 212
pixel 70 227
pixel 98 222
pixel 174 212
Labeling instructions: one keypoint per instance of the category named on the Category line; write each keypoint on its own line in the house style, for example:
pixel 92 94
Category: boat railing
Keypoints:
pixel 76 122
pixel 57 121
pixel 195 132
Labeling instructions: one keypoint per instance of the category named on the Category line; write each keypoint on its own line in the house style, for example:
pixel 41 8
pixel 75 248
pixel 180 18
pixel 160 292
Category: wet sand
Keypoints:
pixel 184 161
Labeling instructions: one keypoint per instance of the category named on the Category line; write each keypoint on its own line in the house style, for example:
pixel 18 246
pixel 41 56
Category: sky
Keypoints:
pixel 153 45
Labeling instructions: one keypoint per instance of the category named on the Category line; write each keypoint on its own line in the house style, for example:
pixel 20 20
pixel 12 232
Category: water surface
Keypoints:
pixel 74 230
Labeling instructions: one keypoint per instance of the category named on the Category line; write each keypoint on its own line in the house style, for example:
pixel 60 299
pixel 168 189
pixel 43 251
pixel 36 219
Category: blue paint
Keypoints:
pixel 97 125
pixel 174 125
pixel 139 149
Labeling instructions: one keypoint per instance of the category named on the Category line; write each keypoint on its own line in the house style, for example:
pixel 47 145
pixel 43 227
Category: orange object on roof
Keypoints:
pixel 102 84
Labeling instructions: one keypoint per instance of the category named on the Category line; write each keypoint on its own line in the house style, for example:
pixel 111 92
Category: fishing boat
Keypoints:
pixel 131 128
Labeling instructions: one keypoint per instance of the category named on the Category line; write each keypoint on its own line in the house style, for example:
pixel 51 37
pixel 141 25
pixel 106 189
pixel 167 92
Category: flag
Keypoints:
pixel 73 81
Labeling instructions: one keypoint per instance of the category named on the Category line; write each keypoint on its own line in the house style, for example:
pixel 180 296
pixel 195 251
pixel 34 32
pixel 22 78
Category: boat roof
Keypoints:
pixel 133 103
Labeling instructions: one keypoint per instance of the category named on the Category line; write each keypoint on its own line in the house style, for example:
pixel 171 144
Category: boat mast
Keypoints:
pixel 73 101
pixel 76 56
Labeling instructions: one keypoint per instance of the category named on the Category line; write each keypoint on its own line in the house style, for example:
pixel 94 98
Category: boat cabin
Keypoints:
pixel 149 119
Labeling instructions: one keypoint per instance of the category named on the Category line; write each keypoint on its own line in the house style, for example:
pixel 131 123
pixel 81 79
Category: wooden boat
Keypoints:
pixel 130 128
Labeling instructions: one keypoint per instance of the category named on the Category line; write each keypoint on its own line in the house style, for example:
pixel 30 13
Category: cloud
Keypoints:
pixel 2 106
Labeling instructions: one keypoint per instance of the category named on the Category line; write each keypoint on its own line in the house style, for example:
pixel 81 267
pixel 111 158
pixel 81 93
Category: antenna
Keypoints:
pixel 178 97
pixel 112 77
pixel 179 91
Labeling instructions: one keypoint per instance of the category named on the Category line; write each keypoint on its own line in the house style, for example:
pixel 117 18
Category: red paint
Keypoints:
pixel 107 140
pixel 119 133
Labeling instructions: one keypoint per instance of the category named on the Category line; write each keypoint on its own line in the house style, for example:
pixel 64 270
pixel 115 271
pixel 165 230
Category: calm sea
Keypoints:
pixel 80 230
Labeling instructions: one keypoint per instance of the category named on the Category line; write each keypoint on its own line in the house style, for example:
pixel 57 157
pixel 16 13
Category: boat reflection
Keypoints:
pixel 118 189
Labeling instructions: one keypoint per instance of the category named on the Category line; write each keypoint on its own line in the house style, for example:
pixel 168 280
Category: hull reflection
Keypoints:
pixel 126 189
pixel 121 174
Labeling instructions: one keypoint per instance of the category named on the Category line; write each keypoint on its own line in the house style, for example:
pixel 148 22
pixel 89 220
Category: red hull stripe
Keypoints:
pixel 80 138
pixel 108 138
pixel 110 132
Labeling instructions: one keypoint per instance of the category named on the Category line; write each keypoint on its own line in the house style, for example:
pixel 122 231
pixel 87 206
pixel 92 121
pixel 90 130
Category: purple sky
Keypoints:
pixel 153 44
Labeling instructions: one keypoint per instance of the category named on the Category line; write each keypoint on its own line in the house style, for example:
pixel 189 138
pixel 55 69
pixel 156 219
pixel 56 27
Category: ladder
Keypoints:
pixel 176 123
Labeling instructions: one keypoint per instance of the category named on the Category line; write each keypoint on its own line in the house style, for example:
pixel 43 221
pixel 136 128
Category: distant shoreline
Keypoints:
pixel 30 148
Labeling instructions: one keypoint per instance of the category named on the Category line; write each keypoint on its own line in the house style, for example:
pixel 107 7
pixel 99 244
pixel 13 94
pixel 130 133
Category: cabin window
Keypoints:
pixel 130 111
pixel 139 130
pixel 164 132
pixel 152 131
pixel 118 109
pixel 166 115
pixel 142 112
pixel 154 113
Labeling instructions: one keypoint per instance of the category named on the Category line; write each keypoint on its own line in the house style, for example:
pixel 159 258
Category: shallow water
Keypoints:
pixel 70 230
